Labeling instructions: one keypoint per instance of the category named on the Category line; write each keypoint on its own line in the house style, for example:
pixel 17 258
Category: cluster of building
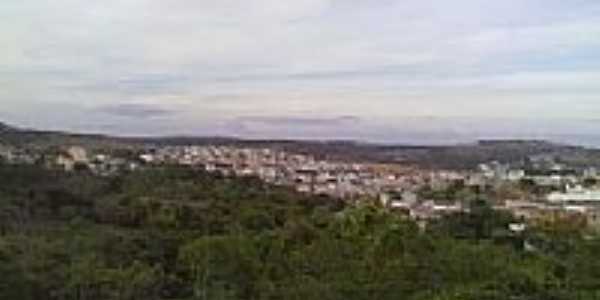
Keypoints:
pixel 567 193
pixel 69 159
pixel 547 173
pixel 303 172
pixel 396 186
pixel 16 155
pixel 576 203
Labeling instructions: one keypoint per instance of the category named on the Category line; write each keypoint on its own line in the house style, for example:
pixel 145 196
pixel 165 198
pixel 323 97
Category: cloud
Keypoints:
pixel 291 125
pixel 298 121
pixel 295 127
pixel 150 84
pixel 311 60
pixel 136 111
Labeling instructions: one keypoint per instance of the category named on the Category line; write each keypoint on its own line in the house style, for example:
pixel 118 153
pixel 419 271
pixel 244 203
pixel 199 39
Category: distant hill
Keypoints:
pixel 6 128
pixel 459 156
pixel 43 139
pixel 470 155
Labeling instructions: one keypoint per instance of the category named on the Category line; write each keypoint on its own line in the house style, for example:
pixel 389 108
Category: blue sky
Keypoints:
pixel 360 69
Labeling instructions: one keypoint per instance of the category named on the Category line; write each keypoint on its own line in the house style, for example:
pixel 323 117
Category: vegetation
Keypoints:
pixel 175 233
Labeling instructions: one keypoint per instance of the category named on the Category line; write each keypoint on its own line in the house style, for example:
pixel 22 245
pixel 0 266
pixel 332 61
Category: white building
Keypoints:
pixel 576 195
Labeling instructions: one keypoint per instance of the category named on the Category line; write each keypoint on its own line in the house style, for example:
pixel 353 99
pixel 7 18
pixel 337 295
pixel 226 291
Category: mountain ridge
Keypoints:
pixel 225 139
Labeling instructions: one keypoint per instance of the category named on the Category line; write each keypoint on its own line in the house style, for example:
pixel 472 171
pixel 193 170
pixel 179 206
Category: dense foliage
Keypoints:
pixel 174 233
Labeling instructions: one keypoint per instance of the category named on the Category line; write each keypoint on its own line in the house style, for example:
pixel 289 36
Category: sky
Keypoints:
pixel 376 70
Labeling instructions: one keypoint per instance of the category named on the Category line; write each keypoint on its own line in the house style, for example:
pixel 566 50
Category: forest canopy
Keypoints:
pixel 178 233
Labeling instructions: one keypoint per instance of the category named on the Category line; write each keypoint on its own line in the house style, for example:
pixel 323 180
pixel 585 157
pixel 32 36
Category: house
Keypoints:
pixel 523 209
pixel 575 196
pixel 517 227
pixel 515 175
pixel 78 154
pixel 72 157
pixel 6 153
pixel 147 158
pixel 65 161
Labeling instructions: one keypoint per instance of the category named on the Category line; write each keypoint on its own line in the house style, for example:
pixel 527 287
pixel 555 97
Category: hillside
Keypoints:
pixel 6 128
pixel 470 155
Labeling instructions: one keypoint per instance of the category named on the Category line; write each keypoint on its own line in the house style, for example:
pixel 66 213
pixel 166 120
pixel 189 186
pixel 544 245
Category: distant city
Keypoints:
pixel 534 187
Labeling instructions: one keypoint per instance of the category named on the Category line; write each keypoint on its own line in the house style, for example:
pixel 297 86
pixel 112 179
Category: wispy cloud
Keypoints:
pixel 137 111
pixel 297 121
pixel 230 59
